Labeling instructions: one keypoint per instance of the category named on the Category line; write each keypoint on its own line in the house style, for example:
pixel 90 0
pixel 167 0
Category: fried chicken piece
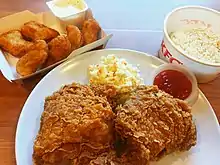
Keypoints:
pixel 114 96
pixel 111 158
pixel 36 56
pixel 154 124
pixel 75 36
pixel 90 31
pixel 108 91
pixel 36 31
pixel 59 48
pixel 76 127
pixel 13 43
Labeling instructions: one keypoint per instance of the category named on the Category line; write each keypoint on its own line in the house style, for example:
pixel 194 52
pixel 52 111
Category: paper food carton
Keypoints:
pixel 15 21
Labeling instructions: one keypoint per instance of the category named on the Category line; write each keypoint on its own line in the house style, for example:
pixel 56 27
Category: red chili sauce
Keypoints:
pixel 174 83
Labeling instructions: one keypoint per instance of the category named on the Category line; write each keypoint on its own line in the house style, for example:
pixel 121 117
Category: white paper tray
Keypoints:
pixel 15 21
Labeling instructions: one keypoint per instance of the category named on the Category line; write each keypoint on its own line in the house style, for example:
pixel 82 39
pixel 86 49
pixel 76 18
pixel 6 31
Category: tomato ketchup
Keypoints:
pixel 174 83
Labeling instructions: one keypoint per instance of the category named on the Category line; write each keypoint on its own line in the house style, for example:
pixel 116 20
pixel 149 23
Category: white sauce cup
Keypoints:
pixel 69 15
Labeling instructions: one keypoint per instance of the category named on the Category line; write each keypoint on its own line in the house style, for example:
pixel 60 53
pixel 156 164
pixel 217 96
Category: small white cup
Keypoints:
pixel 69 15
pixel 192 98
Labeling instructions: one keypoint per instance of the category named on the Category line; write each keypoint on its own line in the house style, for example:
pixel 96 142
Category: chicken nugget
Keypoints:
pixel 35 31
pixel 39 45
pixel 48 62
pixel 59 48
pixel 90 31
pixel 31 61
pixel 75 36
pixel 13 43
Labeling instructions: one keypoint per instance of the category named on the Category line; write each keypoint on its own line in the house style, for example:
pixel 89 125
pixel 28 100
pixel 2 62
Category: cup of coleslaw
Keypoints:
pixel 191 36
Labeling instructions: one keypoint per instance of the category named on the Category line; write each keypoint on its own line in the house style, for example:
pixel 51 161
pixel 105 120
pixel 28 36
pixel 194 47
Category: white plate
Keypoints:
pixel 206 152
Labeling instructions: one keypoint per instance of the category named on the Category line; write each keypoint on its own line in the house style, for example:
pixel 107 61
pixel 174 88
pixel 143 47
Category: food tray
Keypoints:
pixel 15 21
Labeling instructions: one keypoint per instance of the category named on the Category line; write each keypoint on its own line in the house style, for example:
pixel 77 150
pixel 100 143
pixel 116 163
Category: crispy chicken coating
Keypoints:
pixel 111 158
pixel 36 31
pixel 13 43
pixel 48 62
pixel 75 36
pixel 153 123
pixel 76 127
pixel 36 56
pixel 108 91
pixel 39 45
pixel 90 31
pixel 114 96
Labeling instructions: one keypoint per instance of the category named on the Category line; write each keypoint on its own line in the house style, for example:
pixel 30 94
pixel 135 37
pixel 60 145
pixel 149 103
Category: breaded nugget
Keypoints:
pixel 90 31
pixel 48 62
pixel 153 124
pixel 13 43
pixel 39 45
pixel 30 62
pixel 36 31
pixel 35 57
pixel 59 48
pixel 76 127
pixel 75 36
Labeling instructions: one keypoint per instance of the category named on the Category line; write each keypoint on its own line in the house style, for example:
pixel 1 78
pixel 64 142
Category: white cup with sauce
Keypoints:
pixel 193 96
pixel 67 12
pixel 189 17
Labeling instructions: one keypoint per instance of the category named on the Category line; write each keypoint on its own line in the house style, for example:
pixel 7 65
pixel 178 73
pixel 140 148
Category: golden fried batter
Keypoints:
pixel 38 45
pixel 108 91
pixel 35 57
pixel 75 36
pixel 111 158
pixel 59 48
pixel 35 31
pixel 153 123
pixel 90 31
pixel 13 43
pixel 48 62
pixel 76 127
pixel 30 62
pixel 114 96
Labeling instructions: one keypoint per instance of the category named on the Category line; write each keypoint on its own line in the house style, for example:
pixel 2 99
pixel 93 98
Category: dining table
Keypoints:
pixel 136 25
